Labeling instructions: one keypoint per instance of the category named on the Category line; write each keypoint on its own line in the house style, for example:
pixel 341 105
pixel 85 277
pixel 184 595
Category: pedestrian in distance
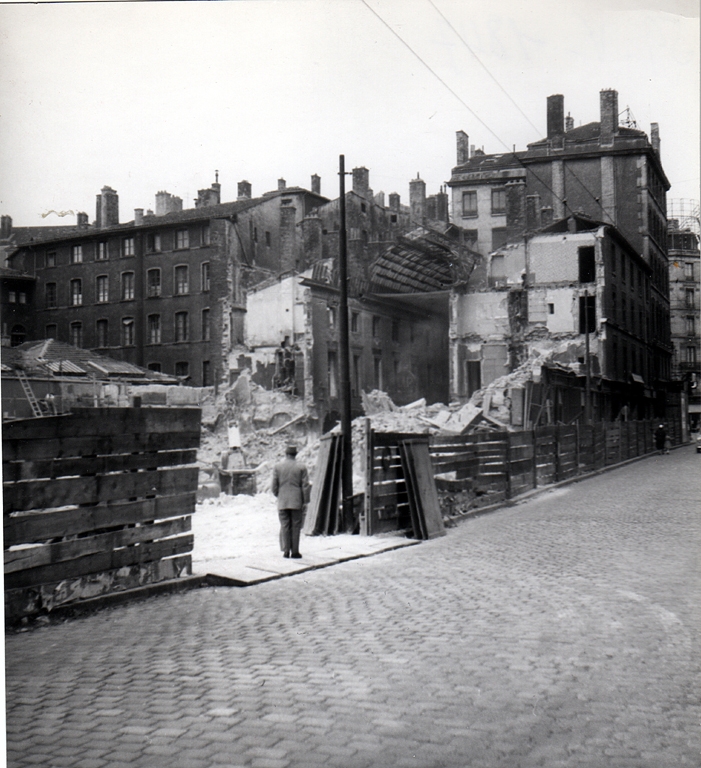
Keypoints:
pixel 291 486
pixel 661 439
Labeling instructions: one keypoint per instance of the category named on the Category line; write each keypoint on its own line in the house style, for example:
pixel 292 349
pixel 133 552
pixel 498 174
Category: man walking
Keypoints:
pixel 291 486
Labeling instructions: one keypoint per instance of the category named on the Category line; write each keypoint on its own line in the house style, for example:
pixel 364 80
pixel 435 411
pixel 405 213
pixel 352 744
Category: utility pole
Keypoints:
pixel 344 357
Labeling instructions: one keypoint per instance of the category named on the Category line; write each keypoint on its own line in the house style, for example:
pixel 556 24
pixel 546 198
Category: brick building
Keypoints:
pixel 606 171
pixel 575 279
pixel 685 300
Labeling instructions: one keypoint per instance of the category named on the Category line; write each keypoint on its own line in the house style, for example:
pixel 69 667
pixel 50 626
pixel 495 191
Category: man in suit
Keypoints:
pixel 291 486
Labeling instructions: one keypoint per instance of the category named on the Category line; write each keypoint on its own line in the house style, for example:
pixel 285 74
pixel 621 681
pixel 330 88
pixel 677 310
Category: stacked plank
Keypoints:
pixel 324 516
pixel 96 501
pixel 426 516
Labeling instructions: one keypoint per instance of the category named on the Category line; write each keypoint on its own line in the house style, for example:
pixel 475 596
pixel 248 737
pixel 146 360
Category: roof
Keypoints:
pixel 49 357
pixel 591 132
pixel 6 273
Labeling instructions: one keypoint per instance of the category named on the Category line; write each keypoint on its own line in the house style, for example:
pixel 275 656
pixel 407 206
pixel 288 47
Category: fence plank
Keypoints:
pixel 17 560
pixel 43 494
pixel 102 561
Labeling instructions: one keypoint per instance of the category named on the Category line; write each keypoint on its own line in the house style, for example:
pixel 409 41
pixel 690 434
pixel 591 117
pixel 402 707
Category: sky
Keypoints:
pixel 149 96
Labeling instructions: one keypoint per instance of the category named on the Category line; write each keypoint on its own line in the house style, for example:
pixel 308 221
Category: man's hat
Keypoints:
pixel 291 450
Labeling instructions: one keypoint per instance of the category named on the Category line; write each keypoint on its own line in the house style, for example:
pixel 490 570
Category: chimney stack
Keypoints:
pixel 208 197
pixel 463 147
pixel 244 190
pixel 608 100
pixel 281 185
pixel 556 115
pixel 5 227
pixel 417 200
pixel 533 213
pixel 655 136
pixel 138 216
pixel 167 203
pixel 82 220
pixel 107 208
pixel 394 202
pixel 361 181
pixel 316 184
pixel 569 123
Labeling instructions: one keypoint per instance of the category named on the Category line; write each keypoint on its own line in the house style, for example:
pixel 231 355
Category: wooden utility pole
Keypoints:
pixel 344 357
pixel 587 362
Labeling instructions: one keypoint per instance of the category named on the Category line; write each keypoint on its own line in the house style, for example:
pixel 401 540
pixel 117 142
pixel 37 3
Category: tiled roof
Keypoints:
pixel 591 132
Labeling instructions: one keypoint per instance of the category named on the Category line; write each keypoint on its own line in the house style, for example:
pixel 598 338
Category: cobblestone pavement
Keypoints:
pixel 560 632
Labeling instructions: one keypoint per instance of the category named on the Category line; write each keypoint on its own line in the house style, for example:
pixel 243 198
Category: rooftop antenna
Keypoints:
pixel 216 177
pixel 628 120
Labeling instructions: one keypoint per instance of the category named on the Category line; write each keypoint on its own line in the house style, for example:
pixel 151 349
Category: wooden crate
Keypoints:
pixel 96 501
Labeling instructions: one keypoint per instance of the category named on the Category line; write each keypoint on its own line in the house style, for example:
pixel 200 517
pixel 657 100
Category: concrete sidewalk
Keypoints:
pixel 236 543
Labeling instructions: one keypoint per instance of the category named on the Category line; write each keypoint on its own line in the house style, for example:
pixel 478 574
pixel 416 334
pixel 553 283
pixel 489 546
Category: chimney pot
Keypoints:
pixel 316 184
pixel 281 185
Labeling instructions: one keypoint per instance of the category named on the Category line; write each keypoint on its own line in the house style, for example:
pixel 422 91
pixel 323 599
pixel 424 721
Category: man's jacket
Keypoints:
pixel 291 484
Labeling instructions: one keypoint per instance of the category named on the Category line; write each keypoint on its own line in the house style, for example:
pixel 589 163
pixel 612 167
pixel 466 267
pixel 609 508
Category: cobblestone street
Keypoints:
pixel 561 632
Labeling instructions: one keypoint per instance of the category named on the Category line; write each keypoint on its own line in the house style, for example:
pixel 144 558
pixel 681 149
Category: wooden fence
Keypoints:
pixel 480 469
pixel 96 501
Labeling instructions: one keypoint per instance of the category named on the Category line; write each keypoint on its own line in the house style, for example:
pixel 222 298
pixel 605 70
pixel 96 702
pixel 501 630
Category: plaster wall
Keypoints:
pixel 554 259
pixel 485 315
pixel 275 312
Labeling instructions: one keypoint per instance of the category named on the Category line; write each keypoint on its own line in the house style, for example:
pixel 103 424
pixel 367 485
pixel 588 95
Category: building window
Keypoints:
pixel 128 246
pixel 333 375
pixel 51 259
pixel 182 369
pixel 76 254
pixel 499 237
pixel 206 235
pixel 11 297
pixel 331 313
pixel 51 331
pixel 690 298
pixel 355 320
pixel 127 286
pixel 127 331
pixel 375 326
pixel 205 325
pixel 153 277
pixel 18 335
pixel 153 242
pixel 691 355
pixel 50 295
pixel 155 367
pixel 377 371
pixel 101 251
pixel 551 309
pixel 268 240
pixel 181 326
pixel 205 275
pixel 76 293
pixel 587 314
pixel 182 280
pixel 154 329
pixel 587 271
pixel 395 330
pixel 690 326
pixel 182 239
pixel 469 203
pixel 101 326
pixel 498 201
pixel 688 270
pixel 473 376
pixel 102 289
pixel 355 374
pixel 393 218
pixel 77 334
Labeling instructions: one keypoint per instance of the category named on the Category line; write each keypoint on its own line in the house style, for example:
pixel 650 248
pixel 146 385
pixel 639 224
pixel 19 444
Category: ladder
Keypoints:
pixel 26 386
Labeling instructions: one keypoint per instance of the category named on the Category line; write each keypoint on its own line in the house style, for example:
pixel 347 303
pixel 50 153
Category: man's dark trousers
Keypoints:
pixel 290 527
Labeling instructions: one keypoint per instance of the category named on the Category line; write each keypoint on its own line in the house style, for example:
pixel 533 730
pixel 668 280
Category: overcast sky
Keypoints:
pixel 148 96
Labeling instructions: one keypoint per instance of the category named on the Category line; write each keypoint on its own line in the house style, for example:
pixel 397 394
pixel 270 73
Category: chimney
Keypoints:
pixel 608 101
pixel 380 199
pixel 167 203
pixel 208 197
pixel 556 115
pixel 5 227
pixel 569 123
pixel 82 220
pixel 281 185
pixel 463 147
pixel 546 217
pixel 515 209
pixel 655 136
pixel 361 181
pixel 244 190
pixel 417 200
pixel 149 212
pixel 316 184
pixel 138 216
pixel 394 202
pixel 107 208
pixel 533 212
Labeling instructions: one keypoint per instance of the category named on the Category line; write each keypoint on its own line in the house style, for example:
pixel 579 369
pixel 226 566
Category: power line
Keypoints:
pixel 484 67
